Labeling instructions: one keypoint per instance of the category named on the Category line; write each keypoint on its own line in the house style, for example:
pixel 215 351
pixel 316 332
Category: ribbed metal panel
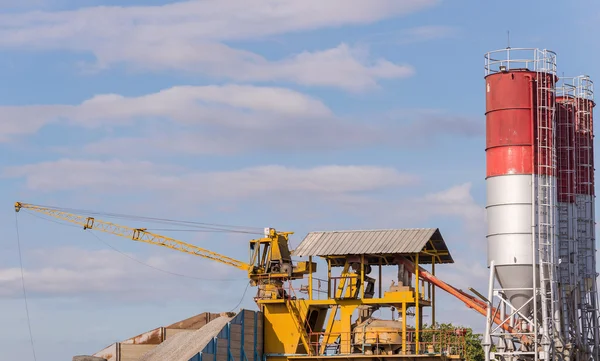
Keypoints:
pixel 384 241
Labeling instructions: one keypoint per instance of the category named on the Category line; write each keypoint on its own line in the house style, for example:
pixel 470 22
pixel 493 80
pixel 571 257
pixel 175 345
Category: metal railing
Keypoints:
pixel 319 289
pixel 373 342
pixel 532 59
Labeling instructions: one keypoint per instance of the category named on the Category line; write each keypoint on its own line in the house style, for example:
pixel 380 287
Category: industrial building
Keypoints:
pixel 542 300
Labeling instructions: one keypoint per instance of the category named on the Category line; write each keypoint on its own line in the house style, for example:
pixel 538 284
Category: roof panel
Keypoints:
pixel 384 241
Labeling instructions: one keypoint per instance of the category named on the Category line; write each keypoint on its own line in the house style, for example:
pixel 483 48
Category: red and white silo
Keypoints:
pixel 521 169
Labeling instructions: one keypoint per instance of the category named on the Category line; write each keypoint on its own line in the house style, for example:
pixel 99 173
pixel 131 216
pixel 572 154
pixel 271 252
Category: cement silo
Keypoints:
pixel 520 130
pixel 520 86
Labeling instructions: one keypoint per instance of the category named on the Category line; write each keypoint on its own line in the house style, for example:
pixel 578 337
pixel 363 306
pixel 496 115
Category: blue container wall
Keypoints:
pixel 248 329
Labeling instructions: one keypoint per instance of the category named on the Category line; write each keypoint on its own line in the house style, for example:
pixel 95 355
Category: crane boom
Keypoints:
pixel 136 234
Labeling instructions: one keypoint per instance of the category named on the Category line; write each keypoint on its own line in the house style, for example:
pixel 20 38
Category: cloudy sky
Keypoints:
pixel 299 115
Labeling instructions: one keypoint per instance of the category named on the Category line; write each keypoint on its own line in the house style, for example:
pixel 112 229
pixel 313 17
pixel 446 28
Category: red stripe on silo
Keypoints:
pixel 509 123
pixel 511 118
pixel 565 144
pixel 508 160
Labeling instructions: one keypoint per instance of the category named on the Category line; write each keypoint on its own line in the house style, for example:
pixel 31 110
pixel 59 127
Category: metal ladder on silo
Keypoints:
pixel 546 206
pixel 588 296
pixel 566 215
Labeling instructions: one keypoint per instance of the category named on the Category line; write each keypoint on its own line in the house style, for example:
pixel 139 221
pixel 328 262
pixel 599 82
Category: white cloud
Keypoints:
pixel 412 35
pixel 18 121
pixel 466 272
pixel 118 176
pixel 279 101
pixel 226 119
pixel 189 35
pixel 424 121
pixel 105 274
pixel 341 66
pixel 228 106
pixel 231 20
pixel 338 66
pixel 457 201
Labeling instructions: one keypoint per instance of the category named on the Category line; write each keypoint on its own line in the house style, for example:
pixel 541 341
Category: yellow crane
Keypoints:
pixel 270 257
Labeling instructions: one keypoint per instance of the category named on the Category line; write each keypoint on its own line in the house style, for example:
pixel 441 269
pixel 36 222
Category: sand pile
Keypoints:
pixel 184 345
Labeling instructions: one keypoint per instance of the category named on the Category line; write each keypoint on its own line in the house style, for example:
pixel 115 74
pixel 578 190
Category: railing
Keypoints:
pixel 320 289
pixel 584 87
pixel 385 342
pixel 520 58
pixel 425 287
pixel 300 313
pixel 346 281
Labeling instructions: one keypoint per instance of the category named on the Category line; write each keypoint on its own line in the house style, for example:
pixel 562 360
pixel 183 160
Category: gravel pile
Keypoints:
pixel 184 345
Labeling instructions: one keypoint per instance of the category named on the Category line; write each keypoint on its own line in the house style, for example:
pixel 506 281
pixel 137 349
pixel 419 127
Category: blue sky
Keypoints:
pixel 300 116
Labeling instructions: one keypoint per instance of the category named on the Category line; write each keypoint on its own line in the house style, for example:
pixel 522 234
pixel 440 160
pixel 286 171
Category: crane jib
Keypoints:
pixel 136 234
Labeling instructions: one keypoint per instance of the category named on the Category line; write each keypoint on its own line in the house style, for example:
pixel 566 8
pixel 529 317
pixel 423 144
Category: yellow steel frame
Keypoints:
pixel 281 339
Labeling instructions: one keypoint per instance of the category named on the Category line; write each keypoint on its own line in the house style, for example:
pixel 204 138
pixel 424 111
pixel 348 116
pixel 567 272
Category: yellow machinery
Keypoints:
pixel 270 262
pixel 335 317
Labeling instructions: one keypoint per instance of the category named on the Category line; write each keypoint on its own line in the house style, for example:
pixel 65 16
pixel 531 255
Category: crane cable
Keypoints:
pixel 24 290
pixel 162 270
pixel 241 299
pixel 133 258
pixel 192 224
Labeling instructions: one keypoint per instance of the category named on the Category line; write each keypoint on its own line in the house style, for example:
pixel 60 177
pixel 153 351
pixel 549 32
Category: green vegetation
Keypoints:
pixel 460 339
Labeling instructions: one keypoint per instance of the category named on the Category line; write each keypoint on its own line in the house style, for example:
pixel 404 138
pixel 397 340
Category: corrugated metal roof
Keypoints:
pixel 384 241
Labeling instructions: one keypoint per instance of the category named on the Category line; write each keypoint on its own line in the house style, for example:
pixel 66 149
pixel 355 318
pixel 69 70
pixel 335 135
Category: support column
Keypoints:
pixel 328 278
pixel 404 351
pixel 433 293
pixel 310 278
pixel 380 279
pixel 346 329
pixel 362 276
pixel 417 310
